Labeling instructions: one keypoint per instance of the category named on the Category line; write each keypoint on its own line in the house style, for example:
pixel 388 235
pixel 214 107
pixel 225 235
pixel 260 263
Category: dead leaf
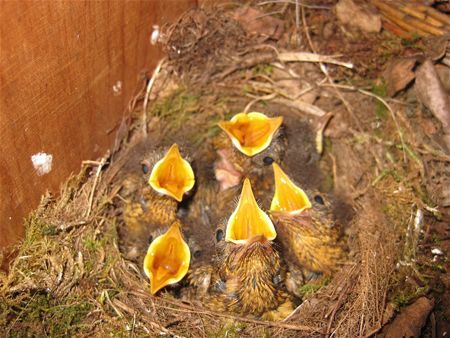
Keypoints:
pixel 444 75
pixel 358 16
pixel 411 319
pixel 398 74
pixel 259 23
pixel 431 92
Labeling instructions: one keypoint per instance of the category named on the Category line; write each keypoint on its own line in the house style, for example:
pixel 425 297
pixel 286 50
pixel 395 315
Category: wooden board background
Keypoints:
pixel 59 61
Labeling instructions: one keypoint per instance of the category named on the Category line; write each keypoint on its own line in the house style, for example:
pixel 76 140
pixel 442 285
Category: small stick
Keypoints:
pixel 435 14
pixel 397 30
pixel 261 98
pixel 408 9
pixel 402 19
pixel 311 57
pixel 94 185
pixel 148 91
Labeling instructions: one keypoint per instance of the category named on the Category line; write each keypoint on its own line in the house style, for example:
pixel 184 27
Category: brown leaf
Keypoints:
pixel 431 92
pixel 411 319
pixel 259 23
pixel 358 16
pixel 398 74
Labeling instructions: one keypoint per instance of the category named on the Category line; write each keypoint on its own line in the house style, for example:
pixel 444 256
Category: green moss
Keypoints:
pixel 230 330
pixel 263 69
pixel 405 295
pixel 380 90
pixel 309 289
pixel 42 315
pixel 177 108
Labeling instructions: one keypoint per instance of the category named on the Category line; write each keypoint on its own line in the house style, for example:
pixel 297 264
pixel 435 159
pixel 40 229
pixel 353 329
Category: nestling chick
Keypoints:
pixel 305 229
pixel 251 142
pixel 246 276
pixel 167 260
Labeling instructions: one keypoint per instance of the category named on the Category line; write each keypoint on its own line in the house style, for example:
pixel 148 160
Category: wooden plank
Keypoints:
pixel 59 61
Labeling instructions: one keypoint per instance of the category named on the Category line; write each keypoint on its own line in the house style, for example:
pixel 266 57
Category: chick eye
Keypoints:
pixel 318 199
pixel 150 239
pixel 197 253
pixel 276 279
pixel 145 168
pixel 219 235
pixel 268 160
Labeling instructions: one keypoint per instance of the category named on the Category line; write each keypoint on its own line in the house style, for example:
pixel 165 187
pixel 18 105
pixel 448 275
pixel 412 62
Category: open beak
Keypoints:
pixel 251 133
pixel 288 197
pixel 248 220
pixel 167 259
pixel 172 175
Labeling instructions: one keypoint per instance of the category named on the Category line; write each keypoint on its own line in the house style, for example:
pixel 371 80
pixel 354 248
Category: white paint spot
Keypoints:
pixel 117 88
pixel 155 35
pixel 42 163
pixel 437 251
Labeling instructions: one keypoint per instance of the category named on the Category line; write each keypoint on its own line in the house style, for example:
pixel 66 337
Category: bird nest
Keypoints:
pixel 69 277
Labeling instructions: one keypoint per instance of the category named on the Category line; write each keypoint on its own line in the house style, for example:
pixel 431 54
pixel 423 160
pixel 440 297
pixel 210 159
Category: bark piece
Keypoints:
pixel 259 23
pixel 358 16
pixel 398 74
pixel 411 319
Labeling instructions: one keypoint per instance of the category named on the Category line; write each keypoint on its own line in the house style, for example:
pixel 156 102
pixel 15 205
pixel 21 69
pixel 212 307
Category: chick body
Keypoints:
pixel 245 279
pixel 310 239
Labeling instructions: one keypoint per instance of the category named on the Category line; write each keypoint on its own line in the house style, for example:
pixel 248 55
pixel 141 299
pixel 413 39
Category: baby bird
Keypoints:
pixel 305 229
pixel 150 206
pixel 167 260
pixel 247 275
pixel 252 141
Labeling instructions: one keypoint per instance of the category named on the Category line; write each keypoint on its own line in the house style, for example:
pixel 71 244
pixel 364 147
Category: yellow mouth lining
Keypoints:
pixel 248 220
pixel 172 175
pixel 167 260
pixel 251 133
pixel 288 197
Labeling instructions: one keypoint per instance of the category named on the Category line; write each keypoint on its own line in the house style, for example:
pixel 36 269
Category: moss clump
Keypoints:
pixel 42 315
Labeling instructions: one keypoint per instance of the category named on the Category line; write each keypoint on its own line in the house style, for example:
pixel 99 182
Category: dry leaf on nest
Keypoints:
pixel 431 92
pixel 259 23
pixel 358 16
pixel 411 319
pixel 444 75
pixel 398 74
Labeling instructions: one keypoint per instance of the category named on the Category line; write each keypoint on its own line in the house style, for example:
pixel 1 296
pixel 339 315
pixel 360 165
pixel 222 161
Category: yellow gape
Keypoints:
pixel 172 175
pixel 248 220
pixel 167 260
pixel 251 133
pixel 288 197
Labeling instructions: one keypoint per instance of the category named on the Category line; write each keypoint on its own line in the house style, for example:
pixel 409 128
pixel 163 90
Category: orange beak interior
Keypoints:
pixel 251 133
pixel 248 220
pixel 172 175
pixel 288 197
pixel 167 260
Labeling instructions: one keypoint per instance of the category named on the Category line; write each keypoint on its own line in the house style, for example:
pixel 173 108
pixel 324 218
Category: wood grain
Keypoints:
pixel 59 61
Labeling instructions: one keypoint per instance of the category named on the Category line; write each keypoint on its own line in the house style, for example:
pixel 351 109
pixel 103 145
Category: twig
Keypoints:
pixel 248 320
pixel 400 134
pixel 94 185
pixel 320 130
pixel 312 57
pixel 362 91
pixel 148 92
pixel 325 72
pixel 261 98
pixel 186 308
